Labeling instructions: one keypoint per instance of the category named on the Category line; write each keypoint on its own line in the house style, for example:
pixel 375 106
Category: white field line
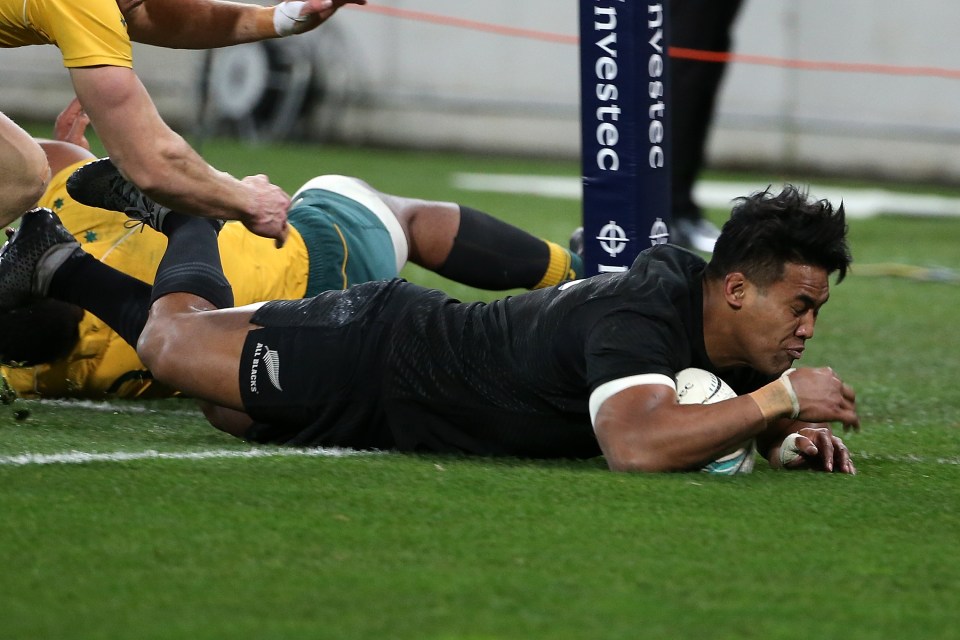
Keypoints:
pixel 905 459
pixel 82 457
pixel 112 407
pixel 859 203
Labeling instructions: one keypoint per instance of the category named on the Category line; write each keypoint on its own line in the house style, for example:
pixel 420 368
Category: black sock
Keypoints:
pixel 191 263
pixel 120 300
pixel 491 254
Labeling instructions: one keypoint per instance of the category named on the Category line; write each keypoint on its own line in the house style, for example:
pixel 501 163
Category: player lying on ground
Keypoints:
pixel 577 370
pixel 341 232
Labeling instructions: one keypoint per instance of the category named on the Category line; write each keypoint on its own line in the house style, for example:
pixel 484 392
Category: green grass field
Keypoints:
pixel 181 540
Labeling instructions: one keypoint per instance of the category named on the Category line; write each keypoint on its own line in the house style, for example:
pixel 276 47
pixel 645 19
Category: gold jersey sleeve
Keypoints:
pixel 102 365
pixel 88 33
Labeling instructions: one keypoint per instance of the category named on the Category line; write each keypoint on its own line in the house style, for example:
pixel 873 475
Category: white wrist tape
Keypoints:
pixel 286 15
pixel 789 450
pixel 777 398
pixel 794 400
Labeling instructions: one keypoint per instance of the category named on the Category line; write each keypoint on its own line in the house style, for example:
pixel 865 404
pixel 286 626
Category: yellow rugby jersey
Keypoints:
pixel 87 32
pixel 102 364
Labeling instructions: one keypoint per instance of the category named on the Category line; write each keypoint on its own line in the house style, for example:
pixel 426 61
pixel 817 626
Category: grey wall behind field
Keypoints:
pixel 411 82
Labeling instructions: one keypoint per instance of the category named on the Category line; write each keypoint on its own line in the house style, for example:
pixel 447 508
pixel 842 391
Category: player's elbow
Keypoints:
pixel 641 461
pixel 628 449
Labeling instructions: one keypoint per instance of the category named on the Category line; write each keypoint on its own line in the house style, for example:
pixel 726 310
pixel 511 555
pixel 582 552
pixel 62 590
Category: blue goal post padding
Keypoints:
pixel 625 126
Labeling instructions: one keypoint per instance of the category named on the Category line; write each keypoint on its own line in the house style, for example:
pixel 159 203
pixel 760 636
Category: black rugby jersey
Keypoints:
pixel 509 377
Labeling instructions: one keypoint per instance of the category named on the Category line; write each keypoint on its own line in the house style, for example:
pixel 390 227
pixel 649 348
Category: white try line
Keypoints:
pixel 905 459
pixel 83 457
pixel 112 407
pixel 858 203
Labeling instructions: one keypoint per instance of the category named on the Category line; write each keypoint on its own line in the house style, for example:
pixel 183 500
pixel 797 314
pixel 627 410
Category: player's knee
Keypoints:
pixel 36 177
pixel 30 195
pixel 22 195
pixel 158 349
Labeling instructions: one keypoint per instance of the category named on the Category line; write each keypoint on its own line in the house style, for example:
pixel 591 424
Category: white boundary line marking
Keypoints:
pixel 905 458
pixel 111 407
pixel 859 203
pixel 83 457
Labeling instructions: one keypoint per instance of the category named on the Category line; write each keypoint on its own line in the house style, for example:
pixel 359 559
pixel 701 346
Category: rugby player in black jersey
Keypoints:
pixel 577 370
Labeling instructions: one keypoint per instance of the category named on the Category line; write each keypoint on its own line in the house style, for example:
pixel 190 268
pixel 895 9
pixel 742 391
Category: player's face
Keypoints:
pixel 781 317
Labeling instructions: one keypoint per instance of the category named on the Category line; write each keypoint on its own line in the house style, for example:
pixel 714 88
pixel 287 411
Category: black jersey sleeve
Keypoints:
pixel 651 319
pixel 628 343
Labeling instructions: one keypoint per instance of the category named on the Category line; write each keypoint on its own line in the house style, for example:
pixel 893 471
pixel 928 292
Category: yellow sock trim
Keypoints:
pixel 559 269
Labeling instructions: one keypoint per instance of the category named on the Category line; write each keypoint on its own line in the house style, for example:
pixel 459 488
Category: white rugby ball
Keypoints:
pixel 697 386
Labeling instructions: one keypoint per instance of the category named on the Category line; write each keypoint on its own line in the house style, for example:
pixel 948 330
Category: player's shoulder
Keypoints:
pixel 669 258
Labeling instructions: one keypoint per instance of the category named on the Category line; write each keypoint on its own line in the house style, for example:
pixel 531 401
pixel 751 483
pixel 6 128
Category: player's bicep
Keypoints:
pixel 609 390
pixel 624 415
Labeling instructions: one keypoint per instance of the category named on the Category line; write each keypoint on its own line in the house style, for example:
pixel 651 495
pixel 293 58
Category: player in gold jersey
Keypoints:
pixel 94 38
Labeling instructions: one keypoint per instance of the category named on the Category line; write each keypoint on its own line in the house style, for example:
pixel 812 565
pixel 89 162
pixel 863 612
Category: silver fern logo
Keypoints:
pixel 271 359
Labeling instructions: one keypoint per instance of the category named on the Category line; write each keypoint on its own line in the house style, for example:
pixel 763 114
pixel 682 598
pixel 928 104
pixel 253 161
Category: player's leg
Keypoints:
pixel 43 259
pixel 232 421
pixel 24 171
pixel 191 345
pixel 457 242
pixel 41 331
pixel 192 337
pixel 704 25
pixel 183 342
pixel 476 249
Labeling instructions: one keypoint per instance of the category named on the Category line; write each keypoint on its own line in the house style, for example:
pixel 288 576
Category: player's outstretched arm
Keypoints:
pixel 163 165
pixel 209 24
pixel 644 428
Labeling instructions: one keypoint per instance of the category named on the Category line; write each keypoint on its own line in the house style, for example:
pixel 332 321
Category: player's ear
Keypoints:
pixel 734 288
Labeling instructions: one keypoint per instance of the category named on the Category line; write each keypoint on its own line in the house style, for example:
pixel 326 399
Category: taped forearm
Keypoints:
pixel 777 399
pixel 267 22
pixel 211 24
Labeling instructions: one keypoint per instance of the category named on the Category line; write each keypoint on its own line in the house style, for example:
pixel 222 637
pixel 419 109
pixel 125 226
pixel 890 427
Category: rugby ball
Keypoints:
pixel 697 386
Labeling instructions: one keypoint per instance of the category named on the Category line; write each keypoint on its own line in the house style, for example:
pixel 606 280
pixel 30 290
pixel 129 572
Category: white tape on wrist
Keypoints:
pixel 789 451
pixel 794 400
pixel 286 15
